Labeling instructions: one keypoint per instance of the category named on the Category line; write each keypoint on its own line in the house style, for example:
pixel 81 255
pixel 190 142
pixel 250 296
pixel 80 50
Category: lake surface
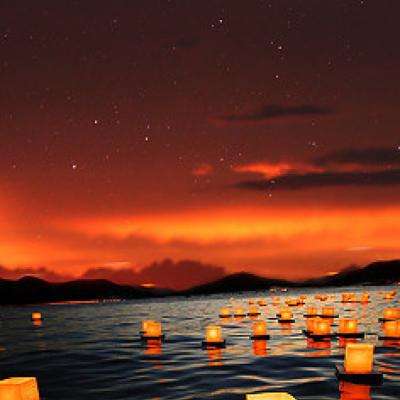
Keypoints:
pixel 93 351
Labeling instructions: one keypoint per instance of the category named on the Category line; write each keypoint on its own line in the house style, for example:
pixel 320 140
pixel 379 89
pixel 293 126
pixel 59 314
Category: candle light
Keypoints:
pixel 391 329
pixel 311 311
pixel 213 334
pixel 224 312
pixel 391 313
pixel 253 310
pixel 259 330
pixel 321 327
pixel 292 302
pixel 310 324
pixel 328 311
pixel 36 316
pixel 348 326
pixel 359 358
pixel 151 329
pixel 239 312
pixel 19 389
pixel 262 303
pixel 270 396
pixel 286 315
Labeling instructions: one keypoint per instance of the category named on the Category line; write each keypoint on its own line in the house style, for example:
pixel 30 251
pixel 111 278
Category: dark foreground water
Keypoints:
pixel 93 351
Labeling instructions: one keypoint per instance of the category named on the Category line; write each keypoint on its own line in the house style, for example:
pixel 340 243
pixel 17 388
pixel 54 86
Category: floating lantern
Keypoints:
pixel 253 311
pixel 391 330
pixel 19 389
pixel 310 325
pixel 321 297
pixel 328 312
pixel 292 302
pixel 239 312
pixel 151 330
pixel 311 312
pixel 321 328
pixel 285 316
pixel 224 312
pixel 364 298
pixel 259 330
pixel 348 328
pixel 270 396
pixel 391 314
pixel 276 301
pixel 358 364
pixel 348 297
pixel 251 301
pixel 262 303
pixel 36 316
pixel 213 336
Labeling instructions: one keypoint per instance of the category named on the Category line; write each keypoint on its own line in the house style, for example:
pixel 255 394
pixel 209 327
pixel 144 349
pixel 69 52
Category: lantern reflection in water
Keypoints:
pixel 353 391
pixel 323 348
pixel 37 323
pixel 214 357
pixel 260 348
pixel 153 347
pixel 359 358
pixel 343 342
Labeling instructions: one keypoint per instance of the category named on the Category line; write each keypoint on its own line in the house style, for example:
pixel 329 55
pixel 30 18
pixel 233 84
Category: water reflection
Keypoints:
pixel 344 341
pixel 352 391
pixel 37 323
pixel 260 348
pixel 153 347
pixel 323 347
pixel 214 357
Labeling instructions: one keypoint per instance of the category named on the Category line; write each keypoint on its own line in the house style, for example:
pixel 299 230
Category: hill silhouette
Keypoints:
pixel 29 290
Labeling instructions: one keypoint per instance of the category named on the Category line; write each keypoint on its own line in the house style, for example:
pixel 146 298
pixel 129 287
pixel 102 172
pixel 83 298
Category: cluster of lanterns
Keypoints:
pixel 352 298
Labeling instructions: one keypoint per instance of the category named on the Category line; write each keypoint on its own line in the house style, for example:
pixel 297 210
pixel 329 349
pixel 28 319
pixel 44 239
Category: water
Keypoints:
pixel 93 351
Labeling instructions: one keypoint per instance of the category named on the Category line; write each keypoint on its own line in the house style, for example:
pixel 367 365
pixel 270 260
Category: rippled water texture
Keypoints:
pixel 93 351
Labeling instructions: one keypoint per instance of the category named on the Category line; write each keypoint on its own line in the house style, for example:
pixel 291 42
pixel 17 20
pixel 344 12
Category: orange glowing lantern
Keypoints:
pixel 224 312
pixel 391 329
pixel 270 396
pixel 213 334
pixel 321 327
pixel 36 316
pixel 276 301
pixel 285 315
pixel 328 312
pixel 364 298
pixel 310 324
pixel 391 314
pixel 251 301
pixel 347 326
pixel 262 303
pixel 259 329
pixel 151 329
pixel 311 312
pixel 239 312
pixel 253 310
pixel 358 358
pixel 292 302
pixel 19 389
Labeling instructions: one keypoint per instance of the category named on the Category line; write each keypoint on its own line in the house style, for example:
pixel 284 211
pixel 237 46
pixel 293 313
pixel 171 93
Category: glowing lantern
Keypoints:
pixel 262 303
pixel 347 326
pixel 36 316
pixel 310 324
pixel 286 315
pixel 253 310
pixel 19 389
pixel 259 329
pixel 391 329
pixel 328 312
pixel 213 334
pixel 292 302
pixel 251 301
pixel 391 313
pixel 348 297
pixel 270 396
pixel 311 311
pixel 276 301
pixel 365 298
pixel 239 312
pixel 321 327
pixel 224 312
pixel 358 358
pixel 151 329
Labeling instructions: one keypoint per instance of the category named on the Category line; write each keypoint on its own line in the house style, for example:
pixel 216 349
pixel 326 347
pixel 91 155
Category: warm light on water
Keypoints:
pixel 94 351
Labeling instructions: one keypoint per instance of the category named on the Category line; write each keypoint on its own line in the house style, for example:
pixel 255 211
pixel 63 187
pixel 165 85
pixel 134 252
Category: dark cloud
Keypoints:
pixel 369 156
pixel 274 111
pixel 325 179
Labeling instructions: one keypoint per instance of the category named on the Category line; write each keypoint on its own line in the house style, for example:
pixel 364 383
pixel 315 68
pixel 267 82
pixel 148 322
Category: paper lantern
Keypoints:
pixel 311 311
pixel 224 312
pixel 151 329
pixel 292 302
pixel 348 326
pixel 276 301
pixel 259 328
pixel 253 310
pixel 358 358
pixel 348 297
pixel 36 316
pixel 270 396
pixel 328 311
pixel 286 315
pixel 239 312
pixel 391 313
pixel 391 329
pixel 19 389
pixel 321 327
pixel 251 301
pixel 262 303
pixel 213 334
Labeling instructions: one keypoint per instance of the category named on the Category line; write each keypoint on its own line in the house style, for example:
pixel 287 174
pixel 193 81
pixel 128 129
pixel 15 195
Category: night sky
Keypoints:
pixel 255 135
